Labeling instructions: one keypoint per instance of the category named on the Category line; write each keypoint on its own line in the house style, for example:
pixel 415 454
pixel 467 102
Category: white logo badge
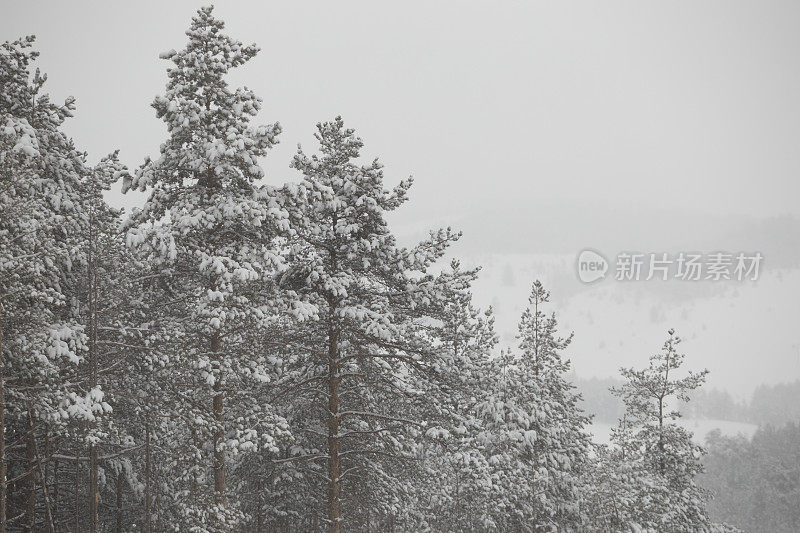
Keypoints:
pixel 591 266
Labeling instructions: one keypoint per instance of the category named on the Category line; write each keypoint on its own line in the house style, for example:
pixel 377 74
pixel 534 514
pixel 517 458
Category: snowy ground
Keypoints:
pixel 620 324
pixel 700 428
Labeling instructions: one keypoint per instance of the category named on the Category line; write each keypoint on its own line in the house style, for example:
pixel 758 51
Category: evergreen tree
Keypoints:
pixel 100 293
pixel 239 357
pixel 42 337
pixel 659 452
pixel 539 444
pixel 358 367
pixel 755 482
pixel 210 228
pixel 458 475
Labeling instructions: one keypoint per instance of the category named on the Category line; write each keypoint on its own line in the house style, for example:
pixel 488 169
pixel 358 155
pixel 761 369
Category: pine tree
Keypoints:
pixel 210 228
pixel 360 359
pixel 41 225
pixel 538 440
pixel 458 479
pixel 755 481
pixel 105 291
pixel 654 448
pixel 238 357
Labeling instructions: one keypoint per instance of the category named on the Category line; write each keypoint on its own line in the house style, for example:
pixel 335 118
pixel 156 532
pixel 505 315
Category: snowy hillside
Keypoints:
pixel 619 324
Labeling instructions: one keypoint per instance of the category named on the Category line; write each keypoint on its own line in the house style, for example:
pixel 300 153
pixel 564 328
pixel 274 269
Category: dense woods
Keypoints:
pixel 756 482
pixel 233 356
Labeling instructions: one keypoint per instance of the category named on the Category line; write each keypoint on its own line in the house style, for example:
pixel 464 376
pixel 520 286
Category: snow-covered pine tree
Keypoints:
pixel 538 442
pixel 210 227
pixel 358 365
pixel 456 492
pixel 562 444
pixel 105 275
pixel 618 492
pixel 653 447
pixel 43 340
pixel 159 410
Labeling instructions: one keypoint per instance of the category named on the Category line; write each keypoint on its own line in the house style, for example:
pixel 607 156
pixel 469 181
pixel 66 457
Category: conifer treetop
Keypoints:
pixel 212 141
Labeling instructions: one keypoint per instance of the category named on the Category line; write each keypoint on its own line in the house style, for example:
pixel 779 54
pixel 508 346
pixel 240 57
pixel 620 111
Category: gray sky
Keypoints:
pixel 535 127
pixel 674 104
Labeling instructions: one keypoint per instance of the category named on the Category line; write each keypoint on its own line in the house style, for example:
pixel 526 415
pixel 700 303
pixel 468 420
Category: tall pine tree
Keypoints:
pixel 538 442
pixel 210 228
pixel 656 447
pixel 360 361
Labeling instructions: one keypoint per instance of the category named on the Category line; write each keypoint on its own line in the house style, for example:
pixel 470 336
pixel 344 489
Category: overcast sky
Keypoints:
pixel 690 104
pixel 535 127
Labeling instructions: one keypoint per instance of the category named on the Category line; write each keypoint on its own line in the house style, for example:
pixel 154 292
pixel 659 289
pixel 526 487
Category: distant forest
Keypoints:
pixel 755 482
pixel 773 405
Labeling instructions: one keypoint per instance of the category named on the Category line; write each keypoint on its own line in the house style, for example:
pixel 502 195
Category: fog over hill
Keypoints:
pixel 743 331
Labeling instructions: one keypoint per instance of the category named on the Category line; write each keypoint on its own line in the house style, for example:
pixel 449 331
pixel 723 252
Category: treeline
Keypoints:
pixel 239 357
pixel 770 405
pixel 756 482
pixel 773 405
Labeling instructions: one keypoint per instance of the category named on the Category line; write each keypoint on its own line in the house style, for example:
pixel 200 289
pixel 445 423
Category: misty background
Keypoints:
pixel 536 129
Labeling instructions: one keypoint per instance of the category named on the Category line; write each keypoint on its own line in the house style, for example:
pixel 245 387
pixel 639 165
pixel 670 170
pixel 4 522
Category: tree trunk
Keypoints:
pixel 260 503
pixel 334 461
pixel 55 487
pixel 147 517
pixel 94 497
pixel 30 482
pixel 661 465
pixel 77 485
pixel 458 500
pixel 42 475
pixel 193 489
pixel 119 500
pixel 533 495
pixel 3 485
pixel 219 452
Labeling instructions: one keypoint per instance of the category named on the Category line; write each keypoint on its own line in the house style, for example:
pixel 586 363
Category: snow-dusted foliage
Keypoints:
pixel 238 357
pixel 42 337
pixel 209 230
pixel 461 483
pixel 535 432
pixel 647 479
pixel 40 222
pixel 357 363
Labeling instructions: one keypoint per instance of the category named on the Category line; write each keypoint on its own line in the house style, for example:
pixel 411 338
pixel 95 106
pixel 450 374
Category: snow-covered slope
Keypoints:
pixel 744 332
pixel 700 428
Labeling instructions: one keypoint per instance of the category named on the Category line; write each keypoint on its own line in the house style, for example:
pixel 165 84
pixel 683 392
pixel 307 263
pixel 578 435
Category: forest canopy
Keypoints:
pixel 236 356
